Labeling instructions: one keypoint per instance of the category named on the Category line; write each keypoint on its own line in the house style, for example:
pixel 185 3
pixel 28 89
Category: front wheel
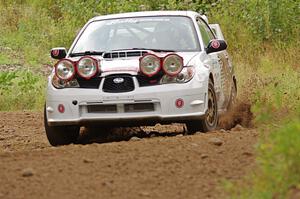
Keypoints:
pixel 60 135
pixel 211 118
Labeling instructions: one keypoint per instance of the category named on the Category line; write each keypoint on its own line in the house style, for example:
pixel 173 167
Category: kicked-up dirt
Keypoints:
pixel 152 162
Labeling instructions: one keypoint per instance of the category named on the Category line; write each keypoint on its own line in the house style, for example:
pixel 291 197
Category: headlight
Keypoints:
pixel 186 74
pixel 65 70
pixel 172 64
pixel 59 83
pixel 87 67
pixel 150 65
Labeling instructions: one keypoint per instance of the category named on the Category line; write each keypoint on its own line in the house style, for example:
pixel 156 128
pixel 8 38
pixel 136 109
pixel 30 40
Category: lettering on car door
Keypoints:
pixel 219 66
pixel 225 76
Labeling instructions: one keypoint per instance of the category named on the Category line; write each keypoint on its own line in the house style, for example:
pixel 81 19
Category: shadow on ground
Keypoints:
pixel 102 135
pixel 239 114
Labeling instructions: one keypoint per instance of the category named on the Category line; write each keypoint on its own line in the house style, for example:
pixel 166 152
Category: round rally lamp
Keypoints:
pixel 87 67
pixel 172 64
pixel 64 69
pixel 150 65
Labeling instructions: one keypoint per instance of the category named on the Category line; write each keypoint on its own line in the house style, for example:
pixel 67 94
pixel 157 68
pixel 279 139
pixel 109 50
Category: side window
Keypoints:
pixel 206 33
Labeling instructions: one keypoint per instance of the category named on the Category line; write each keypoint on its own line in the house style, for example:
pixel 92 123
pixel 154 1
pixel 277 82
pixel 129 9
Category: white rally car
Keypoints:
pixel 138 69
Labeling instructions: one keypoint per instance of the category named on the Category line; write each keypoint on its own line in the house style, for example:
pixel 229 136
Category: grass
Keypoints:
pixel 21 90
pixel 4 59
pixel 263 38
pixel 273 88
pixel 278 173
pixel 280 163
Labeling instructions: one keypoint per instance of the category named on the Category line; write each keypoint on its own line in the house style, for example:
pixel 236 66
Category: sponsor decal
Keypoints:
pixel 215 44
pixel 55 53
pixel 61 108
pixel 135 20
pixel 179 103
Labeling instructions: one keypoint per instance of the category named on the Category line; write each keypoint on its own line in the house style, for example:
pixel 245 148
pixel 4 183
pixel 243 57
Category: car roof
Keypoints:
pixel 146 14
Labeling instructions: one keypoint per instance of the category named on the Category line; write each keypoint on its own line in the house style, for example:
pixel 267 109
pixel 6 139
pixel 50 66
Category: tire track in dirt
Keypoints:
pixel 165 165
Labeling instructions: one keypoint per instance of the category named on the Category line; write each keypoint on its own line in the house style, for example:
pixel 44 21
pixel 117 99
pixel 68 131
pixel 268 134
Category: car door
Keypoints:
pixel 225 58
pixel 218 65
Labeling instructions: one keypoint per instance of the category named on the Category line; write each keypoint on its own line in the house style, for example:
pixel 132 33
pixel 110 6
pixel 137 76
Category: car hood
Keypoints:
pixel 131 65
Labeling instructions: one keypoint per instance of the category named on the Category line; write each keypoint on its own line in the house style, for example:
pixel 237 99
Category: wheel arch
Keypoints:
pixel 211 77
pixel 234 81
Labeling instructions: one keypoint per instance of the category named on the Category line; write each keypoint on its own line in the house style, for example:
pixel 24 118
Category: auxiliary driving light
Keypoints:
pixel 87 67
pixel 150 65
pixel 64 69
pixel 172 64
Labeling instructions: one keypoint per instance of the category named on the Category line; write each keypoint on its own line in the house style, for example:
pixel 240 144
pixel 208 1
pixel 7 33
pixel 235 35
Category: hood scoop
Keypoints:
pixel 124 54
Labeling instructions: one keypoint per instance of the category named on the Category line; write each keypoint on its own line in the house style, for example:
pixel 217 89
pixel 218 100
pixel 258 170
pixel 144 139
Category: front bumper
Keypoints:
pixel 93 106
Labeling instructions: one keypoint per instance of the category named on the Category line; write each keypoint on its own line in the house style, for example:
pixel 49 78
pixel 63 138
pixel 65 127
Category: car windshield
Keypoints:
pixel 165 33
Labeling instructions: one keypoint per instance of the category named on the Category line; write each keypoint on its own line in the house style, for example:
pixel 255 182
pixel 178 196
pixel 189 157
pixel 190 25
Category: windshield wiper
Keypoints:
pixel 152 49
pixel 86 53
pixel 155 49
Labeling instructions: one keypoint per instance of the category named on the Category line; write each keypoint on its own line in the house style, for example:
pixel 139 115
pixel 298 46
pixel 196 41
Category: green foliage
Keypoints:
pixel 254 28
pixel 4 59
pixel 273 20
pixel 279 165
pixel 33 27
pixel 280 159
pixel 21 90
pixel 6 81
pixel 273 87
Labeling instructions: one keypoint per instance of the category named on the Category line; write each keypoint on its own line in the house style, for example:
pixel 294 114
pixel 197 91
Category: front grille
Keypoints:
pixel 91 83
pixel 142 107
pixel 118 84
pixel 128 108
pixel 149 81
pixel 102 108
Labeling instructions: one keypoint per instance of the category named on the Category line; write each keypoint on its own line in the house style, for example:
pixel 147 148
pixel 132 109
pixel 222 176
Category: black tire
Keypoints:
pixel 211 118
pixel 60 135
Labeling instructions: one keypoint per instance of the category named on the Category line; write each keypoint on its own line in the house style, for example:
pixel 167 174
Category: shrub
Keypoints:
pixel 21 90
pixel 278 172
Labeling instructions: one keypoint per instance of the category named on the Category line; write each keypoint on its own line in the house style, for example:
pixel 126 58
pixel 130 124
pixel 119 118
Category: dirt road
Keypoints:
pixel 165 165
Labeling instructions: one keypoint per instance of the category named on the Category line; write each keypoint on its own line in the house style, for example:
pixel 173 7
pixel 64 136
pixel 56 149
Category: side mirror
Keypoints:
pixel 216 45
pixel 58 53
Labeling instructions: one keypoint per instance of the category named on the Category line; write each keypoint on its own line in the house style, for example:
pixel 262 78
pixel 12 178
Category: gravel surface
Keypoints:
pixel 153 162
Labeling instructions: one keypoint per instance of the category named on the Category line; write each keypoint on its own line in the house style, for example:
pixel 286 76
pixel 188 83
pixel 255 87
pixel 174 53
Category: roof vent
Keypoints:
pixel 123 54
